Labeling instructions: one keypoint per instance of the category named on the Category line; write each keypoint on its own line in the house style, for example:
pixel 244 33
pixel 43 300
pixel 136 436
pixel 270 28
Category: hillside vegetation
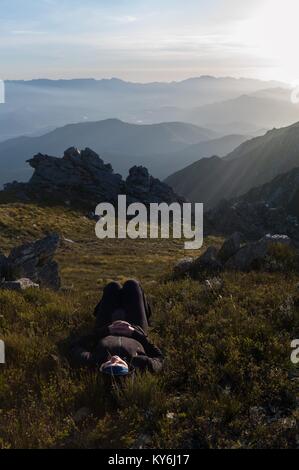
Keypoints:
pixel 228 379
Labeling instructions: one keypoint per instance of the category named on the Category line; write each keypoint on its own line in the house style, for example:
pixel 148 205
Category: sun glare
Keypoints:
pixel 272 34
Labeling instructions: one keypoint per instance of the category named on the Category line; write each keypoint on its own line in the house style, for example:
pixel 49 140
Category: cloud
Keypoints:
pixel 124 19
pixel 137 34
pixel 26 32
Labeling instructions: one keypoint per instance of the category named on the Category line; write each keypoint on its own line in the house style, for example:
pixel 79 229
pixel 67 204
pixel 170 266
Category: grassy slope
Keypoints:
pixel 227 351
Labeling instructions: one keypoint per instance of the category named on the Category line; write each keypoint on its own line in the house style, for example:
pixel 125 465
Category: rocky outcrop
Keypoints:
pixel 183 266
pixel 142 187
pixel 235 256
pixel 253 254
pixel 32 262
pixel 209 260
pixel 230 247
pixel 82 178
pixel 252 219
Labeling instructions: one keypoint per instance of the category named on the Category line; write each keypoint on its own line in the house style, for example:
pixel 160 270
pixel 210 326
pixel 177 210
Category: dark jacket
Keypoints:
pixel 136 350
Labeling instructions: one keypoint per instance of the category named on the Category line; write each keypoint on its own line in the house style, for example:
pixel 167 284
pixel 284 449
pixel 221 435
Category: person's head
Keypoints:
pixel 115 367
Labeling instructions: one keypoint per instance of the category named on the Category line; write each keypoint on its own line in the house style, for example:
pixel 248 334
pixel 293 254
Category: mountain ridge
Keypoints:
pixel 253 163
pixel 108 137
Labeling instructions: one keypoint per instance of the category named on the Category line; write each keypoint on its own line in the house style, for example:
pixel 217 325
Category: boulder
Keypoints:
pixel 209 260
pixel 230 247
pixel 19 285
pixel 183 266
pixel 253 254
pixel 35 261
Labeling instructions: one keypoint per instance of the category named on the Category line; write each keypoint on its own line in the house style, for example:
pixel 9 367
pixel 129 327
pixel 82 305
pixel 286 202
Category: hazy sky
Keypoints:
pixel 144 40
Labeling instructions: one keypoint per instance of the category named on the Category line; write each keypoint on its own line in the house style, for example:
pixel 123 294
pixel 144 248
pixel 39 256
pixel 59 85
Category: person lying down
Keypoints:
pixel 119 344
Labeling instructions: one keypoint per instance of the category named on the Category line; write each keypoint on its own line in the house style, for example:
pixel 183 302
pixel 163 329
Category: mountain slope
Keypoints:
pixel 254 163
pixel 282 191
pixel 162 164
pixel 106 137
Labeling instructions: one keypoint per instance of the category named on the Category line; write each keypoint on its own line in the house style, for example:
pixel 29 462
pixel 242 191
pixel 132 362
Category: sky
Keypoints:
pixel 149 40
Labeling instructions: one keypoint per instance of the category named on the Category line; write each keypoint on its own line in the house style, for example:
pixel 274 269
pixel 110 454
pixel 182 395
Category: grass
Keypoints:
pixel 228 380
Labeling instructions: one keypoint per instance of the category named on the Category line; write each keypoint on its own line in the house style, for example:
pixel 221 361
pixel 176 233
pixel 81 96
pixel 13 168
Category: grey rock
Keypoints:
pixel 253 254
pixel 183 266
pixel 81 178
pixel 209 260
pixel 78 177
pixel 19 285
pixel 230 247
pixel 35 261
pixel 142 187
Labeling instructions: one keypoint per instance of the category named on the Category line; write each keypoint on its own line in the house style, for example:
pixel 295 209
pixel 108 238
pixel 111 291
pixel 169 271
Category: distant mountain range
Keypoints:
pixel 122 144
pixel 33 107
pixel 247 114
pixel 252 164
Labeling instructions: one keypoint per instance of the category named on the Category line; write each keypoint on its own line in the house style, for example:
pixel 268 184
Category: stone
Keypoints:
pixel 19 285
pixel 230 247
pixel 141 187
pixel 183 266
pixel 253 254
pixel 209 260
pixel 35 261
